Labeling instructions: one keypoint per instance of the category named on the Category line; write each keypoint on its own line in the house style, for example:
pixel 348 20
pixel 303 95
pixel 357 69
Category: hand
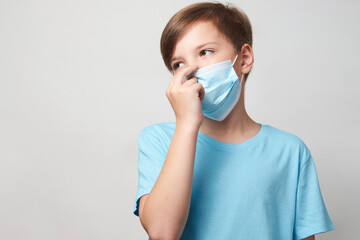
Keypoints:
pixel 185 98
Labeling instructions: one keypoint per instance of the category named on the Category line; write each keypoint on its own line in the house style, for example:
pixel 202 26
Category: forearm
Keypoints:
pixel 167 206
pixel 309 238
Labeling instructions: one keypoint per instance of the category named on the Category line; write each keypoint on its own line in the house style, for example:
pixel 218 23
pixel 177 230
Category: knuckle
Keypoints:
pixel 173 92
pixel 188 91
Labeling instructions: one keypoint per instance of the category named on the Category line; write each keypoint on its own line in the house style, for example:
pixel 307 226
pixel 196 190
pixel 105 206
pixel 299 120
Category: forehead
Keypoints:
pixel 199 33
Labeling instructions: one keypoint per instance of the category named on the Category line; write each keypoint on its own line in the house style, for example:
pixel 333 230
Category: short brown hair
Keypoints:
pixel 232 22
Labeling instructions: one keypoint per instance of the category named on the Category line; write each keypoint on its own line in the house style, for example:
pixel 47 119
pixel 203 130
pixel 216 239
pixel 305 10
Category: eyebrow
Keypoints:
pixel 198 47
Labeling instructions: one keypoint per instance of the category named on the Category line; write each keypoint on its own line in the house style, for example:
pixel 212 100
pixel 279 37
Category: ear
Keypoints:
pixel 246 59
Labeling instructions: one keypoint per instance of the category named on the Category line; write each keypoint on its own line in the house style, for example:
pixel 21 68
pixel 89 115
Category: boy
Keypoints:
pixel 215 173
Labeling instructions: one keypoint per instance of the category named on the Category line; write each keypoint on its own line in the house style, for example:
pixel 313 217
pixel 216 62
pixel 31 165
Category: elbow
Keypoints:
pixel 161 231
pixel 163 235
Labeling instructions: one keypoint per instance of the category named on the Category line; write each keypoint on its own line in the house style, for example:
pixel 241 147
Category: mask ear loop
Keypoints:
pixel 242 76
pixel 234 60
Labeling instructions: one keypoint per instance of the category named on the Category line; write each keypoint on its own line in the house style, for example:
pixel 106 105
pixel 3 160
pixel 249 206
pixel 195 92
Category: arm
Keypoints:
pixel 310 238
pixel 165 210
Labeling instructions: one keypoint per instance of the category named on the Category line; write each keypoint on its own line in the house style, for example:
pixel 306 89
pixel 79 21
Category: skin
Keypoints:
pixel 310 238
pixel 237 127
pixel 164 211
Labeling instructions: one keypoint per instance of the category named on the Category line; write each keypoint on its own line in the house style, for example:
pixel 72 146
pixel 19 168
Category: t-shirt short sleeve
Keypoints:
pixel 311 216
pixel 151 157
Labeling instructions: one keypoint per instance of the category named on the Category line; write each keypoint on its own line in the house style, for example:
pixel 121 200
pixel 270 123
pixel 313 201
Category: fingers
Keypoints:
pixel 179 79
pixel 183 73
pixel 199 88
pixel 190 81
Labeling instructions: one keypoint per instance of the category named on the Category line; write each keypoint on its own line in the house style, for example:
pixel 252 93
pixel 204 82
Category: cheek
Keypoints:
pixel 211 59
pixel 217 58
pixel 238 71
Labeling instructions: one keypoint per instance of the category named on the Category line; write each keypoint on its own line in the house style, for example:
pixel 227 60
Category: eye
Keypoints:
pixel 176 65
pixel 205 52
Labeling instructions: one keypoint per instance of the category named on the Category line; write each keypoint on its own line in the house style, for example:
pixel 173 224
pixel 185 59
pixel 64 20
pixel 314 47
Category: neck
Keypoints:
pixel 236 127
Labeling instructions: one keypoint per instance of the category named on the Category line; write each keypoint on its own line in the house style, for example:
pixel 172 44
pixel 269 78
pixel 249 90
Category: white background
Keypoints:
pixel 80 79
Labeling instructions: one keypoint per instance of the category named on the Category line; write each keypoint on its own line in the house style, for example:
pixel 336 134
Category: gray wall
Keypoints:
pixel 80 79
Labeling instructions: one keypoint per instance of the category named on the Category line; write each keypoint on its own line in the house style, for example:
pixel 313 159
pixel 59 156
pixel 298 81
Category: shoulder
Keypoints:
pixel 158 129
pixel 289 141
pixel 282 135
pixel 157 133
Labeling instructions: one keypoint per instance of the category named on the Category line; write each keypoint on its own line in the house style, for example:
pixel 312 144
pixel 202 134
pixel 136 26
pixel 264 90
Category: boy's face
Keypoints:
pixel 202 45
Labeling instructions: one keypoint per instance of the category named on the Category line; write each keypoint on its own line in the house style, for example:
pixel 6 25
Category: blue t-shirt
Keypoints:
pixel 265 188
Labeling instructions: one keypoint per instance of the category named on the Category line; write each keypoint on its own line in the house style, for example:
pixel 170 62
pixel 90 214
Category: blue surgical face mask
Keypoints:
pixel 222 89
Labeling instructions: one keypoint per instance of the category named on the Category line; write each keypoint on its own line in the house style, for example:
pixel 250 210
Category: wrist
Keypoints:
pixel 187 127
